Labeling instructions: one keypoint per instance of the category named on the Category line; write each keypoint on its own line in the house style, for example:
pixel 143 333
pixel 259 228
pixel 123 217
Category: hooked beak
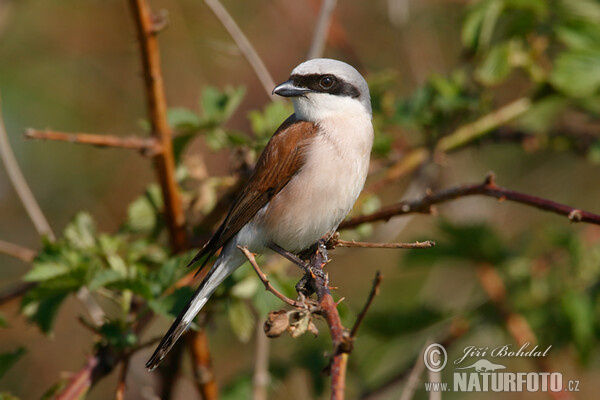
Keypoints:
pixel 287 89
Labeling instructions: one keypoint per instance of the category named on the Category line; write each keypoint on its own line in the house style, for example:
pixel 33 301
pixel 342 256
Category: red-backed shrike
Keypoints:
pixel 304 183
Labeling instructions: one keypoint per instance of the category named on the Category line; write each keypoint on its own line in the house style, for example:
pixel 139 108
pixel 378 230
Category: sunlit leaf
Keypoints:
pixel 44 271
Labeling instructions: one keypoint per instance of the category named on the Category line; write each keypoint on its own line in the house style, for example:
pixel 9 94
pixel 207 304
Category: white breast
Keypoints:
pixel 322 193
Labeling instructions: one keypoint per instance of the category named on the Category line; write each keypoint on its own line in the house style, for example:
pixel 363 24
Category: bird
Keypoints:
pixel 305 182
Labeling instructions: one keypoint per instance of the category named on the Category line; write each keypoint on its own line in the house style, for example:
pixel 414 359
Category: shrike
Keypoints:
pixel 304 184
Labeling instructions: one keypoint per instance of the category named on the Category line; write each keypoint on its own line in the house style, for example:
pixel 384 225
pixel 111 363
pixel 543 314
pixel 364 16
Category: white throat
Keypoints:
pixel 317 107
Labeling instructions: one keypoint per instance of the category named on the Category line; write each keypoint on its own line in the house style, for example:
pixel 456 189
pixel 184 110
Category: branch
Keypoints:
pixel 202 365
pixel 146 146
pixel 265 280
pixel 157 110
pixel 20 184
pixel 121 384
pixel 319 39
pixel 487 188
pixel 16 251
pixel 15 292
pixel 455 140
pixel 244 45
pixel 363 313
pixel 351 243
pixel 342 343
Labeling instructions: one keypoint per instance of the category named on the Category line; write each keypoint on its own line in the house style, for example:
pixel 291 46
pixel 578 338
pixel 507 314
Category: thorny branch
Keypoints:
pixel 146 26
pixel 486 188
pixel 146 146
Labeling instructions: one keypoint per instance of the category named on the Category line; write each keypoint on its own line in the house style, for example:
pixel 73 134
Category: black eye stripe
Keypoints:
pixel 312 82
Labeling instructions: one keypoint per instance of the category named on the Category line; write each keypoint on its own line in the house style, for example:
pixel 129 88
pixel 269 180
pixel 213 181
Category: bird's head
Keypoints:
pixel 322 88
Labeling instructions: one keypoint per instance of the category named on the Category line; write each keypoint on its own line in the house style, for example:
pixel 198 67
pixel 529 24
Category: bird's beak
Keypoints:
pixel 287 89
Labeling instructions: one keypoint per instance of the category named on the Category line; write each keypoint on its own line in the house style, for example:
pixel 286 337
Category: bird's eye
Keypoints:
pixel 327 82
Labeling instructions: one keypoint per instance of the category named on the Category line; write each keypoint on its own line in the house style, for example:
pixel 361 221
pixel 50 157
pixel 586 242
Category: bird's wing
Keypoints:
pixel 280 161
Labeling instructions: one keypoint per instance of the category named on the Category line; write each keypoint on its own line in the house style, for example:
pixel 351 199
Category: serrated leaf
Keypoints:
pixel 81 231
pixel 42 310
pixel 7 360
pixel 241 320
pixel 45 271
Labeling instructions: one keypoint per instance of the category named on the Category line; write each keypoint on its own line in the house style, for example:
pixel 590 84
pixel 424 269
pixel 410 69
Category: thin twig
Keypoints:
pixel 486 188
pixel 16 251
pixel 146 146
pixel 351 243
pixel 319 39
pixel 202 365
pixel 260 377
pixel 244 45
pixel 265 280
pixel 363 313
pixel 20 184
pixel 15 292
pixel 157 110
pixel 459 138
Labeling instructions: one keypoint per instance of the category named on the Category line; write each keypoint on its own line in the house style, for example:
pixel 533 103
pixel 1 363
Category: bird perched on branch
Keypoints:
pixel 304 184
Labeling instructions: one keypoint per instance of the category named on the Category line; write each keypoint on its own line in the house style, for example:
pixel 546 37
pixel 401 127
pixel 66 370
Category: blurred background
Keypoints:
pixel 433 66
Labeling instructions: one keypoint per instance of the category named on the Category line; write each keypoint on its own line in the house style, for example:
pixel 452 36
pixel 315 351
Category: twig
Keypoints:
pixel 20 184
pixel 265 280
pixel 14 250
pixel 486 188
pixel 146 146
pixel 319 39
pixel 351 243
pixel 244 45
pixel 202 365
pixel 363 313
pixel 15 292
pixel 413 378
pixel 157 109
pixel 260 378
pixel 455 140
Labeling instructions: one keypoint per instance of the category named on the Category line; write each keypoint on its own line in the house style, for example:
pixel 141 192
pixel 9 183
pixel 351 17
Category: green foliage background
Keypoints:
pixel 72 66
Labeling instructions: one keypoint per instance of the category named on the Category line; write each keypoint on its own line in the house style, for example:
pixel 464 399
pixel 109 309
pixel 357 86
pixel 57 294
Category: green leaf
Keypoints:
pixel 7 360
pixel 577 72
pixel 496 65
pixel 264 123
pixel 580 312
pixel 141 215
pixel 173 304
pixel 183 119
pixel 81 231
pixel 241 319
pixel 41 308
pixel 43 271
pixel 3 323
pixel 246 288
pixel 7 396
pixel 103 278
pixel 118 334
pixel 218 105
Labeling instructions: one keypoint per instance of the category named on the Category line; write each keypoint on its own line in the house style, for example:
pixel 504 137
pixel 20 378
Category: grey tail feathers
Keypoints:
pixel 183 320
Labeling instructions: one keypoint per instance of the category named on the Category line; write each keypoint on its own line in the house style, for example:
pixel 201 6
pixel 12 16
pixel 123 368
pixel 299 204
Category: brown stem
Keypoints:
pixel 157 110
pixel 202 365
pixel 486 188
pixel 121 384
pixel 147 146
pixel 265 280
pixel 363 313
pixel 14 250
pixel 15 292
pixel 351 243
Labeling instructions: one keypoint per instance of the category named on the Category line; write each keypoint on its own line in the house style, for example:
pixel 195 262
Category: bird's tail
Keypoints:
pixel 224 266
